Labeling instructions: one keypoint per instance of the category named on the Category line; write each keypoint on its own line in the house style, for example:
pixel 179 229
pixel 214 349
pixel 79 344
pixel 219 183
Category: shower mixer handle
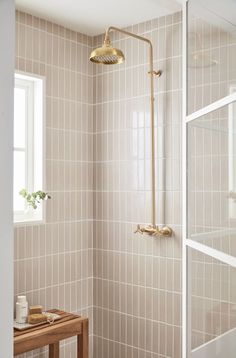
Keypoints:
pixel 154 230
pixel 149 230
pixel 138 230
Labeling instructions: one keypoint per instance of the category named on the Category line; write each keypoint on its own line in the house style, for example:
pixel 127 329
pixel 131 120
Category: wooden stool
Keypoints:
pixel 51 334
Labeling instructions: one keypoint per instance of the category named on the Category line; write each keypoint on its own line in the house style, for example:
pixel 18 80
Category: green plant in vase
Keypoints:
pixel 35 198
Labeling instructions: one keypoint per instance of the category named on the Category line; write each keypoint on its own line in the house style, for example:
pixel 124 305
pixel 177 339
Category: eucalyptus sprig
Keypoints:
pixel 35 198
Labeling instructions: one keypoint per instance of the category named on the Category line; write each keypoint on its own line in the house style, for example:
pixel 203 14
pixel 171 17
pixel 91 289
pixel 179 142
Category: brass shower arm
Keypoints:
pixel 141 38
pixel 112 28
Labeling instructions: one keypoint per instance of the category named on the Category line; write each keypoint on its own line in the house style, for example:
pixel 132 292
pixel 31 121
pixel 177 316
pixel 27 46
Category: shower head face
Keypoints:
pixel 107 55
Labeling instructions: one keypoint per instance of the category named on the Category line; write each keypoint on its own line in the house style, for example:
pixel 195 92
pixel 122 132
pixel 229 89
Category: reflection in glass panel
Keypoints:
pixel 211 51
pixel 212 293
pixel 19 117
pixel 212 179
pixel 19 180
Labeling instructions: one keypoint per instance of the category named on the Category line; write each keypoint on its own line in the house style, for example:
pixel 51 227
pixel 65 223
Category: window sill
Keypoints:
pixel 29 218
pixel 28 222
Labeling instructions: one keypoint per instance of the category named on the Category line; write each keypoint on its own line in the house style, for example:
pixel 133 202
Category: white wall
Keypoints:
pixel 7 34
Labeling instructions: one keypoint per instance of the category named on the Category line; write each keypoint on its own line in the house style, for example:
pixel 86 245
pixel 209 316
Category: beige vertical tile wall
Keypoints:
pixel 137 289
pixel 54 261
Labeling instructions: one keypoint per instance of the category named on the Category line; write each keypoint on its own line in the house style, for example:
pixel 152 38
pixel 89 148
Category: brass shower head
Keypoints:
pixel 107 55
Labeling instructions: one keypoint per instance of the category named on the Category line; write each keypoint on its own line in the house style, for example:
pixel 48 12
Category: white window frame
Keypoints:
pixel 34 144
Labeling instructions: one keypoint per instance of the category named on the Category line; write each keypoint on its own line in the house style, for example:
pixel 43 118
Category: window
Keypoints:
pixel 28 144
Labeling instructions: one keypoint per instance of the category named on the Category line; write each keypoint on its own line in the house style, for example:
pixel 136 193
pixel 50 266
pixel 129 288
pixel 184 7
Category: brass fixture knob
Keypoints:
pixel 166 231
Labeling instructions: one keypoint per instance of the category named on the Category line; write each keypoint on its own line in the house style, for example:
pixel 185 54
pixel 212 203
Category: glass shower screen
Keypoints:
pixel 209 279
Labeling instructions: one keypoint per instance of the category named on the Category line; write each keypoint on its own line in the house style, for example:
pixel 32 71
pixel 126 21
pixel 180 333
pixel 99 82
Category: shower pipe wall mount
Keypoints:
pixel 152 229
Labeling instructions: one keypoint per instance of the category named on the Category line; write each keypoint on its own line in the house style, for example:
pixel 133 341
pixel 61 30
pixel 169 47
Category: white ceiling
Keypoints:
pixel 92 17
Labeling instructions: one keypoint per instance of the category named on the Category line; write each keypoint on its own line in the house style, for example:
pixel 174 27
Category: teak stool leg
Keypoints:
pixel 54 350
pixel 82 342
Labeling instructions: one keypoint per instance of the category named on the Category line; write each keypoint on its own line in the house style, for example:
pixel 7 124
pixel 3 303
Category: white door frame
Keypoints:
pixel 7 61
pixel 184 180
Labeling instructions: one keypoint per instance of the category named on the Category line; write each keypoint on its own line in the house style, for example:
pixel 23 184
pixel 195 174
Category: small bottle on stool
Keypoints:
pixel 21 309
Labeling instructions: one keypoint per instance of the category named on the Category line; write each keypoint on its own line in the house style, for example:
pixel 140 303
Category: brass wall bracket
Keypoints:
pixel 155 73
pixel 154 230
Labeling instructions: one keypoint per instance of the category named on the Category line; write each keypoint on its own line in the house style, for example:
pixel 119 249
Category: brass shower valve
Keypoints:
pixel 154 230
